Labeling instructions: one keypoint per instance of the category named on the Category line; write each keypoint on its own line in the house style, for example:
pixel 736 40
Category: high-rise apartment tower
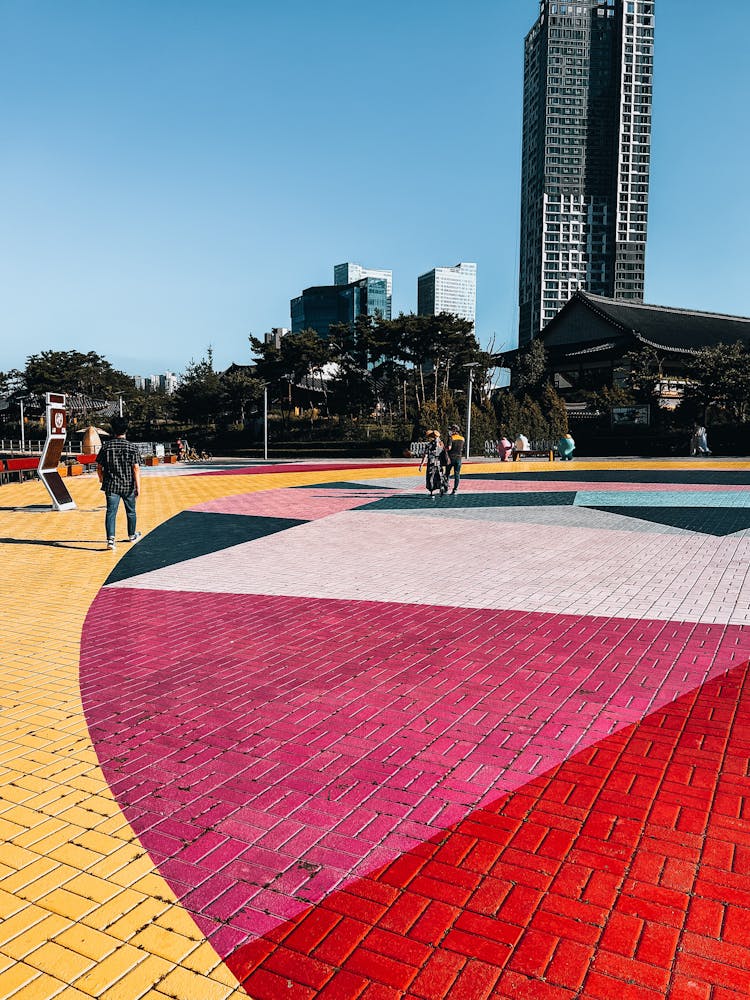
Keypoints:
pixel 588 73
pixel 448 289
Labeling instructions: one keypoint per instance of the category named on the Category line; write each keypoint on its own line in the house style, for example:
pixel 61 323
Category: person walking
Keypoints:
pixel 435 456
pixel 566 446
pixel 118 466
pixel 455 448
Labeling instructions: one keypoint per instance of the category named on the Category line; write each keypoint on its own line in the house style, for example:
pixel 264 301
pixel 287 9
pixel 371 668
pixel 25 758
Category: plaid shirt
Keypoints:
pixel 117 458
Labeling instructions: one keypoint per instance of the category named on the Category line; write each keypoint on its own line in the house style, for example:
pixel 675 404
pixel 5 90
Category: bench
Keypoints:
pixel 548 453
pixel 87 461
pixel 17 467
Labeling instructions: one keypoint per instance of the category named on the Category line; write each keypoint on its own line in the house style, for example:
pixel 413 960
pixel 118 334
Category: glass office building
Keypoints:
pixel 347 274
pixel 588 73
pixel 322 306
pixel 448 289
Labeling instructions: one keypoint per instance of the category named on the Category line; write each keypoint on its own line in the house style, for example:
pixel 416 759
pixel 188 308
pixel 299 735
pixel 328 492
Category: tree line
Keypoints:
pixel 408 374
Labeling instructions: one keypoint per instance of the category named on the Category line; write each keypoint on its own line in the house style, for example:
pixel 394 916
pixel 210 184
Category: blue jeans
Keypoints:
pixel 456 470
pixel 113 502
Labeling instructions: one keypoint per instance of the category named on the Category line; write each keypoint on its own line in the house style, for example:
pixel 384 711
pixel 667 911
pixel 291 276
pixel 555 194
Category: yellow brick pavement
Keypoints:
pixel 83 912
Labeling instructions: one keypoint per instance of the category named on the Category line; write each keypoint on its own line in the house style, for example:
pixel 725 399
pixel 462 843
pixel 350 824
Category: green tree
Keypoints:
pixel 483 426
pixel 73 372
pixel 150 410
pixel 720 383
pixel 553 408
pixel 508 412
pixel 240 390
pixel 12 382
pixel 645 374
pixel 353 349
pixel 200 397
pixel 299 357
pixel 433 349
pixel 529 369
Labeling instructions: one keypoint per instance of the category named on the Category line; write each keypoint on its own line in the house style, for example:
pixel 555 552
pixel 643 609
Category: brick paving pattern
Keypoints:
pixel 318 735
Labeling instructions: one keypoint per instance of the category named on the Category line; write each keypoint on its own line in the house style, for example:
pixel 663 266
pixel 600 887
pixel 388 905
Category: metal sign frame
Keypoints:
pixel 57 424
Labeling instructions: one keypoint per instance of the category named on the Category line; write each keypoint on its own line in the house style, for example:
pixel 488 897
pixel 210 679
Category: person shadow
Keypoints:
pixel 67 543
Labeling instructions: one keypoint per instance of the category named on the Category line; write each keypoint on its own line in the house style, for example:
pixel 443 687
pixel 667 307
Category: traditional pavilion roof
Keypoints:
pixel 682 331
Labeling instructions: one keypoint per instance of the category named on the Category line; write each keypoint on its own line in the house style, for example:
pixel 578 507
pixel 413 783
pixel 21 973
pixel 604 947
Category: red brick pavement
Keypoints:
pixel 621 873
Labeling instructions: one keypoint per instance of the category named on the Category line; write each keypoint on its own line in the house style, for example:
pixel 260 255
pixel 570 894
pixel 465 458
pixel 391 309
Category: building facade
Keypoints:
pixel 321 306
pixel 448 289
pixel 589 341
pixel 347 274
pixel 166 383
pixel 275 335
pixel 588 71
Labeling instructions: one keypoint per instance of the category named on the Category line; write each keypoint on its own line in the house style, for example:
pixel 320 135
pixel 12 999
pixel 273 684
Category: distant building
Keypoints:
pixel 275 335
pixel 588 72
pixel 450 290
pixel 588 341
pixel 322 306
pixel 346 274
pixel 167 383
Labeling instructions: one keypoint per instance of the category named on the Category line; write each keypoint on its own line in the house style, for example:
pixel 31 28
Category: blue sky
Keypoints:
pixel 173 172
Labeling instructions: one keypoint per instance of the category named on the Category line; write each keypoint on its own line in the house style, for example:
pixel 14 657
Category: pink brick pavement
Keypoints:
pixel 268 750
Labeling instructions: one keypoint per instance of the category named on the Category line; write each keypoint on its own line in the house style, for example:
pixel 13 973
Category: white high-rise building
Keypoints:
pixel 450 290
pixel 346 274
pixel 167 383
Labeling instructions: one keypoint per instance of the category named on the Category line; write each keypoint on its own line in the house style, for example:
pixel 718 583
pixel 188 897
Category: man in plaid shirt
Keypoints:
pixel 119 469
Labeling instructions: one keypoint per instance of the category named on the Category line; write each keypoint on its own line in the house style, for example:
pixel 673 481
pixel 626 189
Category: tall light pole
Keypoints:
pixel 265 421
pixel 471 366
pixel 23 432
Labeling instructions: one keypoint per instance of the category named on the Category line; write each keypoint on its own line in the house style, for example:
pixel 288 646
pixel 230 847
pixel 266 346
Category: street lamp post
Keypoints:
pixel 23 432
pixel 265 421
pixel 471 366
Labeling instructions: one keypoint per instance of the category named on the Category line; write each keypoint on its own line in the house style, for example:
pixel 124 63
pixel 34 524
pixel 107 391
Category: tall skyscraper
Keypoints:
pixel 448 289
pixel 588 73
pixel 346 274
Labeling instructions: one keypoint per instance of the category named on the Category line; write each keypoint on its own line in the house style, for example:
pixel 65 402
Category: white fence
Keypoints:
pixel 13 446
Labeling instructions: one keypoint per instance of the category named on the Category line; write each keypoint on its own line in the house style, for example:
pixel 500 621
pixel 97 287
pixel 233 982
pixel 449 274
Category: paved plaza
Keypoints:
pixel 319 735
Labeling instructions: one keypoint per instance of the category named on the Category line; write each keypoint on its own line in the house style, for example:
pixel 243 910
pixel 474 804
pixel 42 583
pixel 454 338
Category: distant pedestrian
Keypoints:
pixel 699 441
pixel 436 459
pixel 566 446
pixel 118 466
pixel 521 443
pixel 180 449
pixel 504 449
pixel 455 448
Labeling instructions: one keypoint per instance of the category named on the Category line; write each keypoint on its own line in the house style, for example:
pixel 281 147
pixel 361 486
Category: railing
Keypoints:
pixel 13 446
pixel 417 448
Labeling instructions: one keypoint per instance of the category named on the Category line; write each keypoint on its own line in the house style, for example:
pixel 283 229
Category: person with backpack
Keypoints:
pixel 436 458
pixel 455 449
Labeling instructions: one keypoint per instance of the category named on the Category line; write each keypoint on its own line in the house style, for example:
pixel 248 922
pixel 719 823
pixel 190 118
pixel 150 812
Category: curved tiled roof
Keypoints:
pixel 683 330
